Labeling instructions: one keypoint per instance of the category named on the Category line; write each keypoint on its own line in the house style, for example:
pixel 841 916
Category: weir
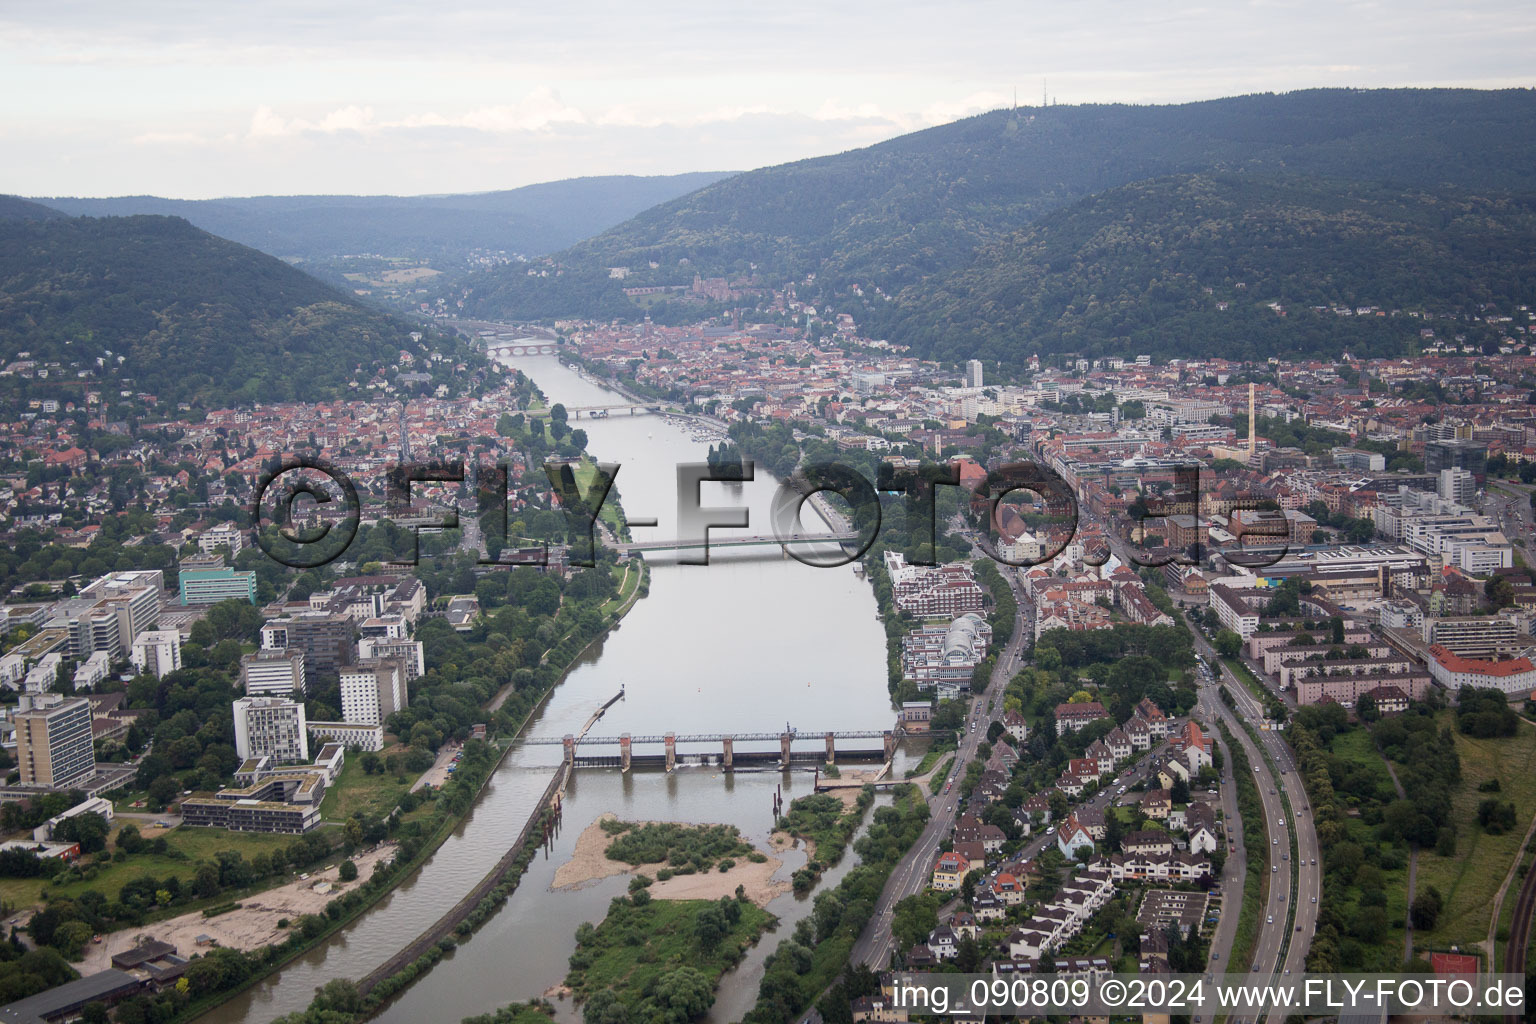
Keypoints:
pixel 834 748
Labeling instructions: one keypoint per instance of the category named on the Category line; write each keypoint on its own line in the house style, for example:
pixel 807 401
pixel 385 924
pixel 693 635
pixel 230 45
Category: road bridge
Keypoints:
pixel 733 542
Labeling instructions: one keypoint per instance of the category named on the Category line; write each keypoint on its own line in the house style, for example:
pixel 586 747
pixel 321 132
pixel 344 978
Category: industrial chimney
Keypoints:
pixel 1252 424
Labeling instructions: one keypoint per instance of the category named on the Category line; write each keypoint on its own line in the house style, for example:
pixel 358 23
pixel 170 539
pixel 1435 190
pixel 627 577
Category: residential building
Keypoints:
pixel 271 727
pixel 156 652
pixel 373 690
pixel 273 673
pixel 53 740
pixel 210 586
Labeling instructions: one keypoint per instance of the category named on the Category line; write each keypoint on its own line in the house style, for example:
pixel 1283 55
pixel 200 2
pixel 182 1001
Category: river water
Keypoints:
pixel 743 645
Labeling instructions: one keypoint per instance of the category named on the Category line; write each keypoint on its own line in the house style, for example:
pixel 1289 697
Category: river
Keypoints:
pixel 743 645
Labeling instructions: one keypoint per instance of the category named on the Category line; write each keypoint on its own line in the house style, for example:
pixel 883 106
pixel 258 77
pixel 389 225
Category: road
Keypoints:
pixel 912 872
pixel 1296 822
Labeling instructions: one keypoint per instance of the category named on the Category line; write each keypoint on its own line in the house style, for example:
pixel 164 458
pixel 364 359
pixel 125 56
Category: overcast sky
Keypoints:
pixel 200 98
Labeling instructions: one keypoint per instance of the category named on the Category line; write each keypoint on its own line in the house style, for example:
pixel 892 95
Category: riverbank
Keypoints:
pixel 253 925
pixel 489 892
pixel 590 862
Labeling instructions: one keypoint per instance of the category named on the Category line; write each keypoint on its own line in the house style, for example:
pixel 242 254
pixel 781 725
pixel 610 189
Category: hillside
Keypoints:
pixel 17 208
pixel 180 313
pixel 531 220
pixel 1189 266
pixel 919 208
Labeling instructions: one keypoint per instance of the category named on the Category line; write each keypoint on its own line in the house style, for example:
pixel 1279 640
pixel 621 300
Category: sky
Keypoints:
pixel 204 98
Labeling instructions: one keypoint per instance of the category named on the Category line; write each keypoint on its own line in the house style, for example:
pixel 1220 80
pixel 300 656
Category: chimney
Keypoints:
pixel 1252 423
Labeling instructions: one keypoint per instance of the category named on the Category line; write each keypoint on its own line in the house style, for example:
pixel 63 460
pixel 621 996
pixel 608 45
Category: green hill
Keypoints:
pixel 534 219
pixel 910 213
pixel 1190 265
pixel 17 208
pixel 181 314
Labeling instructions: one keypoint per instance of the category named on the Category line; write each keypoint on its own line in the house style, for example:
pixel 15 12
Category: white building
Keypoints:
pixel 269 673
pixel 271 727
pixel 44 675
pixel 409 651
pixel 973 373
pixel 93 670
pixel 373 690
pixel 349 734
pixel 157 652
pixel 225 535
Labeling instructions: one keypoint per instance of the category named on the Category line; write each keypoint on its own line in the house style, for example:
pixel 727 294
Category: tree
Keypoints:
pixel 1426 908
pixel 914 917
pixel 967 955
pixel 683 994
pixel 1228 644
pixel 348 871
pixel 710 927
pixel 605 1007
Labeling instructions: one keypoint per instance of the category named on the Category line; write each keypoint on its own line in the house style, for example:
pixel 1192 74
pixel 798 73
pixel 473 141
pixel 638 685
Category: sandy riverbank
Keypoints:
pixel 589 862
pixel 253 925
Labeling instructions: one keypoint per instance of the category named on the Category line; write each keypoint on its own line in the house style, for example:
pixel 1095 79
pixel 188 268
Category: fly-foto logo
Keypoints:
pixel 914 492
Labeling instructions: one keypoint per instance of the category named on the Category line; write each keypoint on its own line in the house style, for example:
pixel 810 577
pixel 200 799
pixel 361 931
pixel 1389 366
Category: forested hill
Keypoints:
pixel 1231 265
pixel 921 207
pixel 16 208
pixel 181 313
pixel 530 220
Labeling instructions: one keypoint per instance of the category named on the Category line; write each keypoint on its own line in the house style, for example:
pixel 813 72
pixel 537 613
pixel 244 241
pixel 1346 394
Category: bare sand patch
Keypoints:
pixel 253 925
pixel 590 862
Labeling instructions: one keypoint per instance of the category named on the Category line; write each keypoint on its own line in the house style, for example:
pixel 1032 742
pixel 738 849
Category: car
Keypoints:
pixel 1314 899
pixel 1282 823
pixel 1273 868
pixel 1274 842
pixel 1287 970
pixel 1314 861
pixel 1215 956
pixel 1285 856
pixel 1271 919
pixel 1255 769
pixel 1051 831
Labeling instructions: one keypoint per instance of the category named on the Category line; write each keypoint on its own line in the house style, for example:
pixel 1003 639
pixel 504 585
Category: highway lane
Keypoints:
pixel 1307 890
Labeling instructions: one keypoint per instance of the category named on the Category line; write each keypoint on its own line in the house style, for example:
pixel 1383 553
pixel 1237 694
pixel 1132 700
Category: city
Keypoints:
pixel 463 558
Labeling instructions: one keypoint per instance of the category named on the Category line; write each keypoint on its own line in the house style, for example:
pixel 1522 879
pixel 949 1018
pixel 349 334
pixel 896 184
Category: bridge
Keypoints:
pixel 598 412
pixel 732 542
pixel 729 757
pixel 523 347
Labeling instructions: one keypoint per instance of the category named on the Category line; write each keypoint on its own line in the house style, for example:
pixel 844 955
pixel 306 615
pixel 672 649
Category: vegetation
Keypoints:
pixel 187 316
pixel 683 848
pixel 660 960
pixel 971 234
pixel 804 964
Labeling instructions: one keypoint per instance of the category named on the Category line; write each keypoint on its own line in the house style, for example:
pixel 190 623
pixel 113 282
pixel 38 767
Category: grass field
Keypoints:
pixel 1470 880
pixel 199 844
pixel 355 790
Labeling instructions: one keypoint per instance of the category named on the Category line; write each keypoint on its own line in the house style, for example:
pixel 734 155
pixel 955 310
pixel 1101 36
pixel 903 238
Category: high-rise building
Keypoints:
pixel 373 690
pixel 53 740
pixel 271 727
pixel 409 650
pixel 1460 453
pixel 225 535
pixel 325 639
pixel 157 652
pixel 268 673
pixel 210 586
pixel 973 373
pixel 1458 485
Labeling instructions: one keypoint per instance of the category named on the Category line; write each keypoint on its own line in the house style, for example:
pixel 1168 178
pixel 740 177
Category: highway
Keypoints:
pixel 1297 822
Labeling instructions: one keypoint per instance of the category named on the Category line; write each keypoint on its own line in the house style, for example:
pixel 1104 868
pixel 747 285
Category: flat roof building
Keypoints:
pixel 53 740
